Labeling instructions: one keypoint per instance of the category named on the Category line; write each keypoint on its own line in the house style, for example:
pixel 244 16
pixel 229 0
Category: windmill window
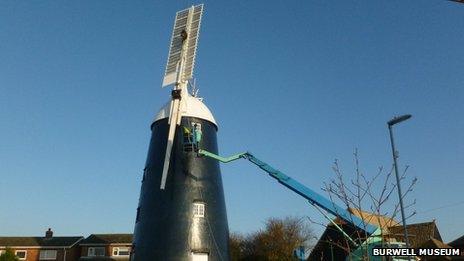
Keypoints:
pixel 188 140
pixel 198 209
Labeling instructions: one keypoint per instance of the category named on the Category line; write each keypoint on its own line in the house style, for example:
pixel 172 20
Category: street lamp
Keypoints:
pixel 390 123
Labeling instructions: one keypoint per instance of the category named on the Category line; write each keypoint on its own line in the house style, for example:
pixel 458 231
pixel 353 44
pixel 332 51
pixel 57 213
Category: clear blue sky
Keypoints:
pixel 298 83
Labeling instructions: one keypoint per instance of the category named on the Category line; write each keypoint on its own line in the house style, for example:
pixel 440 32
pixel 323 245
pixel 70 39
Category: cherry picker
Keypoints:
pixel 372 232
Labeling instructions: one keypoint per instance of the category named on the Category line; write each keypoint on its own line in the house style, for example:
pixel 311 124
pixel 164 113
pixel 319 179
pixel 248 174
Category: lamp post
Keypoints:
pixel 390 123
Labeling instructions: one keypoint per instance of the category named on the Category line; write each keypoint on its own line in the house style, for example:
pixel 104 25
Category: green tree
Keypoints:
pixel 276 241
pixel 236 246
pixel 8 255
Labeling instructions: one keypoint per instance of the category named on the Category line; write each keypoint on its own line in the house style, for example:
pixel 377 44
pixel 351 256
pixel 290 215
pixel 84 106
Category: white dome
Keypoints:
pixel 191 107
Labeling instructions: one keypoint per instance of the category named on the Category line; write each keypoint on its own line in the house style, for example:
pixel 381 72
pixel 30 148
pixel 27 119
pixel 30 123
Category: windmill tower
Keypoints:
pixel 181 213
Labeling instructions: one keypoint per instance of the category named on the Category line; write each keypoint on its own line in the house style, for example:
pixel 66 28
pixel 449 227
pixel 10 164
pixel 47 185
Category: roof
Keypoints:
pixel 191 107
pixel 108 239
pixel 459 242
pixel 374 219
pixel 434 243
pixel 417 233
pixel 39 241
pixel 331 241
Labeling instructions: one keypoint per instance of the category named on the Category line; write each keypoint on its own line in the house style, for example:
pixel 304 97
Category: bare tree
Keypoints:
pixel 370 198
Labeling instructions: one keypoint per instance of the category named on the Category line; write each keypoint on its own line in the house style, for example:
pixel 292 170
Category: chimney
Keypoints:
pixel 49 233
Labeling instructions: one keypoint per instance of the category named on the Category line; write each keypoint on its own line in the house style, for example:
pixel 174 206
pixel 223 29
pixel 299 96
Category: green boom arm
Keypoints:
pixel 313 197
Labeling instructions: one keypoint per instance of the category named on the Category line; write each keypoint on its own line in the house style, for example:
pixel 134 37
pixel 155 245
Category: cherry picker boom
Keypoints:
pixel 313 197
pixel 373 234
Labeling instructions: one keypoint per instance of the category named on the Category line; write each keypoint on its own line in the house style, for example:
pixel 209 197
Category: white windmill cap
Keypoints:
pixel 192 107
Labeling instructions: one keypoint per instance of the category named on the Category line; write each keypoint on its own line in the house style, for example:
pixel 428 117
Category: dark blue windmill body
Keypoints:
pixel 181 213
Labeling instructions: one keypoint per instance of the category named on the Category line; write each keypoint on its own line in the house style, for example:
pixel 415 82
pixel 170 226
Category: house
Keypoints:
pixel 418 233
pixel 435 243
pixel 106 247
pixel 458 243
pixel 333 245
pixel 48 247
pixel 421 235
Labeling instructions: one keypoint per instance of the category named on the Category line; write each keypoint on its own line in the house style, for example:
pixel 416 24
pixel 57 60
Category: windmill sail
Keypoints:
pixel 179 69
pixel 183 47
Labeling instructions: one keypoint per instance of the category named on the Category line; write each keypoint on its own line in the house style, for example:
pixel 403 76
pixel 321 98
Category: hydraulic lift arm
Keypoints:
pixel 313 197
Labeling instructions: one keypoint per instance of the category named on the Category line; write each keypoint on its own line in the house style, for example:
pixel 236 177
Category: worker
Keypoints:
pixel 197 134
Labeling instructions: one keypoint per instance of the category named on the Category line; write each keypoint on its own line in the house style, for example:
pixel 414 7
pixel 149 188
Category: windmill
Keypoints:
pixel 181 213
